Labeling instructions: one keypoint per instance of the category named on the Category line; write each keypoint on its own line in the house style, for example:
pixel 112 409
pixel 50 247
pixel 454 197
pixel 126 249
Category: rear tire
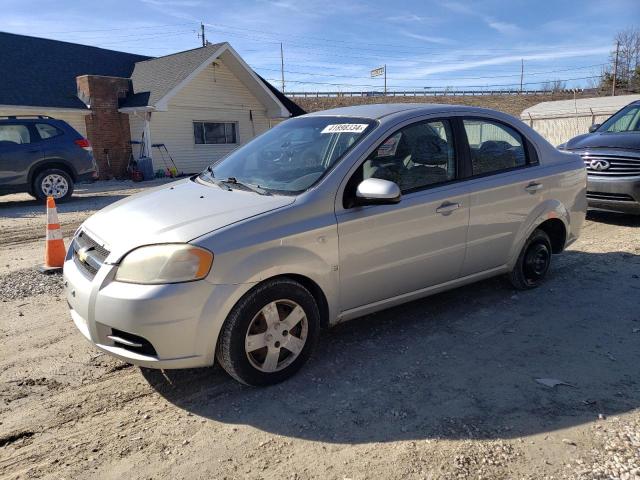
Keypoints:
pixel 270 333
pixel 53 182
pixel 533 262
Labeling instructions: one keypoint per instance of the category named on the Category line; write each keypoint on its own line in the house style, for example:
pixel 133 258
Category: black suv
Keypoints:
pixel 611 153
pixel 43 156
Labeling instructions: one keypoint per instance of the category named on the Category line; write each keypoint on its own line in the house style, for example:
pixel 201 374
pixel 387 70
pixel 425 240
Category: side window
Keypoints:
pixel 206 133
pixel 47 131
pixel 414 157
pixel 15 133
pixel 494 146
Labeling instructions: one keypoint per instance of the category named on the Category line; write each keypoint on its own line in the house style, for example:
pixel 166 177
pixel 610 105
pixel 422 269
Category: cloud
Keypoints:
pixel 455 66
pixel 174 3
pixel 283 4
pixel 426 38
pixel 501 27
pixel 407 18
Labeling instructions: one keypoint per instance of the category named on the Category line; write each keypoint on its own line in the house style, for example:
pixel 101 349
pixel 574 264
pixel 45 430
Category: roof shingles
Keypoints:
pixel 40 72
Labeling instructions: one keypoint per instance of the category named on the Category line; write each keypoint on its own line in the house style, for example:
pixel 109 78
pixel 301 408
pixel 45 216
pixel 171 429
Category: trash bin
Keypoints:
pixel 146 167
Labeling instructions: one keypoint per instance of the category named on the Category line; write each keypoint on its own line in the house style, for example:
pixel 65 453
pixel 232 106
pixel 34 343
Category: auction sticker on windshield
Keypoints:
pixel 345 128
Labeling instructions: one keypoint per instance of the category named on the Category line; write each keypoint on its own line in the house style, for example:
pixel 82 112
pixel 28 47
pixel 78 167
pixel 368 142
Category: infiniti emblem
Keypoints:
pixel 599 165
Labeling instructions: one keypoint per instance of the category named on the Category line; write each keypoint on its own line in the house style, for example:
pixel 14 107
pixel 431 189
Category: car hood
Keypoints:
pixel 628 141
pixel 176 212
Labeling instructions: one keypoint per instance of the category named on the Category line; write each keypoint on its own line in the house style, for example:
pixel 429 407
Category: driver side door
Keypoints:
pixel 387 251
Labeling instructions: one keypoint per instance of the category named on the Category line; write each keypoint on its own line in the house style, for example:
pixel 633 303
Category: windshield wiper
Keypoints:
pixel 211 178
pixel 249 186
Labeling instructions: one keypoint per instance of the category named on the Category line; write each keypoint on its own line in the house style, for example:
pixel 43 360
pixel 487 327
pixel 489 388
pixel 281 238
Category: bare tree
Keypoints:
pixel 554 86
pixel 628 66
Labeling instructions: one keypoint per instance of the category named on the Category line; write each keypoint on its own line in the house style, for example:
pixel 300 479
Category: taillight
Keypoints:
pixel 83 143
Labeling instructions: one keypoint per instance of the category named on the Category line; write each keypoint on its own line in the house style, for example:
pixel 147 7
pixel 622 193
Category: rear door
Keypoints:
pixel 18 152
pixel 504 187
pixel 390 250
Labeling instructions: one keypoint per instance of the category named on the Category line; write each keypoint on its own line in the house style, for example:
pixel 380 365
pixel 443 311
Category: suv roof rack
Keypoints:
pixel 15 117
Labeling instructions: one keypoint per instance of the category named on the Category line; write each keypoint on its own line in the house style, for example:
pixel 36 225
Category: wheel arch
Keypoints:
pixel 58 163
pixel 311 285
pixel 557 232
pixel 553 217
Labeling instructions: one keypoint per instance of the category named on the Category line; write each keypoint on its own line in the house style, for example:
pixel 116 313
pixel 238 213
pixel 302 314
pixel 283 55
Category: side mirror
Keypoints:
pixel 594 127
pixel 376 191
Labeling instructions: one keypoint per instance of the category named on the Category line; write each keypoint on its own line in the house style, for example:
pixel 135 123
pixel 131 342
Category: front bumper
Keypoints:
pixel 614 194
pixel 180 321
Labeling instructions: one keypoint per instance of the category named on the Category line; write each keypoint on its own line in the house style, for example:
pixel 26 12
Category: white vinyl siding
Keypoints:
pixel 75 119
pixel 214 95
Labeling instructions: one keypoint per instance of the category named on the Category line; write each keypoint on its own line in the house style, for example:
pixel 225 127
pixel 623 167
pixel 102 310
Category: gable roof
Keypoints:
pixel 40 72
pixel 158 76
pixel 155 80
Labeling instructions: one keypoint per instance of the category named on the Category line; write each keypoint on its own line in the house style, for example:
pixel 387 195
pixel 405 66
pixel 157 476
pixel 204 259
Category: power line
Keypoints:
pixel 280 35
pixel 377 53
pixel 118 29
pixel 432 78
pixel 159 35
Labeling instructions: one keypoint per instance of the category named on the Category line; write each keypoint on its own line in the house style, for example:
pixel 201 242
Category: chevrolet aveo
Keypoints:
pixel 324 218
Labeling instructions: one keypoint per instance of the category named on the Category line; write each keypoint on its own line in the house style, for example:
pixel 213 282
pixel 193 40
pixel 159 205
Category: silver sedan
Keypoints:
pixel 322 219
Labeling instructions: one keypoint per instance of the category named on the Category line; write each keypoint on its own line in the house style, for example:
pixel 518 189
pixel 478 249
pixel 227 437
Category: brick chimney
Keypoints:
pixel 107 129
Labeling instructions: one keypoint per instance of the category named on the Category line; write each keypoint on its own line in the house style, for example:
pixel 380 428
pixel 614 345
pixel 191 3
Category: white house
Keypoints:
pixel 200 104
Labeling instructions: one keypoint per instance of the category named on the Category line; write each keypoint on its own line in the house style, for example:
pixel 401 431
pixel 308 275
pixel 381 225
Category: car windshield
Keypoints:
pixel 290 157
pixel 626 120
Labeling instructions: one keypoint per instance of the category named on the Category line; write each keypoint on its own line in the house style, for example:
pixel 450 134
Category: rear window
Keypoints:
pixel 47 131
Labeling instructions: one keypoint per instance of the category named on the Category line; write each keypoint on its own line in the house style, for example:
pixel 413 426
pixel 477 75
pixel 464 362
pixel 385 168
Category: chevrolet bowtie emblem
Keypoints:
pixel 83 253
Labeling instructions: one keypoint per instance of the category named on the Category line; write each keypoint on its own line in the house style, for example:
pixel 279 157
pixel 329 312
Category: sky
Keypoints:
pixel 332 45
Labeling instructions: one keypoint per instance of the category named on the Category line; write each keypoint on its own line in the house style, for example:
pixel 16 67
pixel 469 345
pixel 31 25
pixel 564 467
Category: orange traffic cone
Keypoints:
pixel 54 251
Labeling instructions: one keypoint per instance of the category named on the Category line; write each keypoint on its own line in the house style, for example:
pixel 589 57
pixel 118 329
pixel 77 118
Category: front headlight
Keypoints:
pixel 169 263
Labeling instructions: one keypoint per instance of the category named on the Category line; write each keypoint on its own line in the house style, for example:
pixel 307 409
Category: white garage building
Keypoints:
pixel 561 120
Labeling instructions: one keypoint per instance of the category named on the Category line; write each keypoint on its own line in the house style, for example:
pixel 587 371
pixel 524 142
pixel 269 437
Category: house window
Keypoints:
pixel 206 133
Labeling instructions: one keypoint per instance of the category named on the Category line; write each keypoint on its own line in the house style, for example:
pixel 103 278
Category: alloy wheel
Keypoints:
pixel 55 185
pixel 276 336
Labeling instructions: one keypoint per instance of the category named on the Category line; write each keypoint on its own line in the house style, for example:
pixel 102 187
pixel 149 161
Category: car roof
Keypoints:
pixel 377 111
pixel 29 119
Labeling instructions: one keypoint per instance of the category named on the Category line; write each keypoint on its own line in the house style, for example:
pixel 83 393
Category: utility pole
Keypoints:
pixel 385 79
pixel 204 40
pixel 521 73
pixel 282 66
pixel 615 70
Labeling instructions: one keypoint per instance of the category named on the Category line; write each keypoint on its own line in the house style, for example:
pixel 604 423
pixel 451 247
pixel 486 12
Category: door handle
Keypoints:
pixel 447 208
pixel 533 187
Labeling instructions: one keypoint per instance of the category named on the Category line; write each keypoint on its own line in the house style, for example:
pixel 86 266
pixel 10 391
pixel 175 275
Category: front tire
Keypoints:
pixel 270 333
pixel 53 182
pixel 533 262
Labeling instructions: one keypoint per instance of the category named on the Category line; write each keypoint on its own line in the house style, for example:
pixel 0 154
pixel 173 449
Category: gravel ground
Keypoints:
pixel 28 282
pixel 445 387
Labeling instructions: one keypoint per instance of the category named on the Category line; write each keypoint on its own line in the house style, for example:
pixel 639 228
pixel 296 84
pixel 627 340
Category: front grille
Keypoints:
pixel 614 165
pixel 93 254
pixel 618 197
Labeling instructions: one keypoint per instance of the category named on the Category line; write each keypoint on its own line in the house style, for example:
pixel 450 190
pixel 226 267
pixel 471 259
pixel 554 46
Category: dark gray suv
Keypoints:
pixel 611 154
pixel 43 156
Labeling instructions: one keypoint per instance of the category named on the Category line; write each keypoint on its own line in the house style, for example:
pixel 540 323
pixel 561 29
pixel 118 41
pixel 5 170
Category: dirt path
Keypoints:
pixel 440 388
